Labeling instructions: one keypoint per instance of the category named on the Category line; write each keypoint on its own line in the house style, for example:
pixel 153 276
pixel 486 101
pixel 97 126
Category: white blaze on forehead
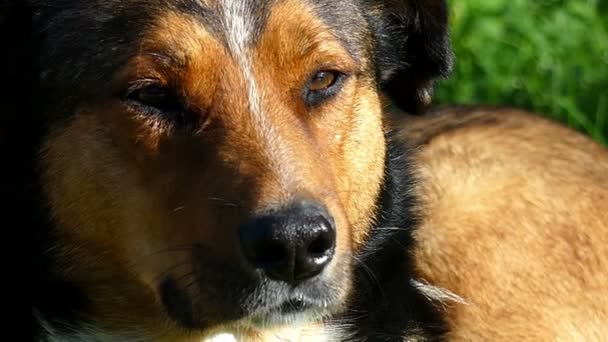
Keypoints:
pixel 238 24
pixel 239 27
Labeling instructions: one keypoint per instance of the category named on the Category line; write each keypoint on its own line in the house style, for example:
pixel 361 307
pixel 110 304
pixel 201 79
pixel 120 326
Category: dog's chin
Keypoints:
pixel 227 297
pixel 293 311
pixel 292 314
pixel 267 307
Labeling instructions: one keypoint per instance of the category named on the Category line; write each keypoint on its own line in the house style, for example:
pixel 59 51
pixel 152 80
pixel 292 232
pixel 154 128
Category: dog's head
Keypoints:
pixel 214 164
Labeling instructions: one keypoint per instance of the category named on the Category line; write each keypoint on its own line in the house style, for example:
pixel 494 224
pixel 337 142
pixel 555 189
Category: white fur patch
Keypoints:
pixel 222 338
pixel 238 27
pixel 437 294
pixel 309 333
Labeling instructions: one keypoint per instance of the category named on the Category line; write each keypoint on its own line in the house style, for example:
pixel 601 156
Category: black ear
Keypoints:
pixel 412 49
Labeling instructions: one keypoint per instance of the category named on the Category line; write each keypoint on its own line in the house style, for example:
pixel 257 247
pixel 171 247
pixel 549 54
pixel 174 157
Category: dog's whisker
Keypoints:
pixel 390 228
pixel 173 249
pixel 171 269
pixel 218 199
pixel 224 201
pixel 187 286
pixel 369 272
pixel 184 276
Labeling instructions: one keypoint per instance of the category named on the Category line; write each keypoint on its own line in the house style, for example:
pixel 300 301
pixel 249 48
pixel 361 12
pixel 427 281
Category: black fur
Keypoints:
pixel 60 53
pixel 409 40
pixel 21 133
pixel 385 304
pixel 412 49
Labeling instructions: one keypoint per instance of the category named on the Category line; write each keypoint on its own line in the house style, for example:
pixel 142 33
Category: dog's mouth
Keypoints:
pixel 265 307
pixel 297 309
pixel 262 312
pixel 294 306
pixel 221 294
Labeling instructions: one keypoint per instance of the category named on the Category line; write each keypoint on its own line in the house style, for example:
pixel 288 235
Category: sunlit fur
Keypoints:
pixel 515 222
pixel 483 224
pixel 134 210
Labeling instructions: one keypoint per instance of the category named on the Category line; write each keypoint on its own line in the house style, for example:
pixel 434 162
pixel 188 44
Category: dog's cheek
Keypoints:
pixel 92 190
pixel 363 161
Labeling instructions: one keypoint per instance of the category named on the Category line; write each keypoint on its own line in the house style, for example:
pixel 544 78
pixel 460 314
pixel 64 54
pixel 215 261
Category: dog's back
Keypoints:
pixel 515 221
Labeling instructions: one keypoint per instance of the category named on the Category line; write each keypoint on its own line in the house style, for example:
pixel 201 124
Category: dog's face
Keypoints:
pixel 216 164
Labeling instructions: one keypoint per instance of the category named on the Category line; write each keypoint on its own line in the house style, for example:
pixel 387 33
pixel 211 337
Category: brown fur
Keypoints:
pixel 513 207
pixel 110 165
pixel 515 221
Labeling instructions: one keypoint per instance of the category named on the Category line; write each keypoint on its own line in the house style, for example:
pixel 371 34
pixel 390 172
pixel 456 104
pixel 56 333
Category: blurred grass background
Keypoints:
pixel 549 56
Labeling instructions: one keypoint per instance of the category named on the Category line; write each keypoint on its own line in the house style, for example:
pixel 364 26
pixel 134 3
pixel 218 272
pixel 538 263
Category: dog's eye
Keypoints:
pixel 151 98
pixel 155 96
pixel 322 80
pixel 322 86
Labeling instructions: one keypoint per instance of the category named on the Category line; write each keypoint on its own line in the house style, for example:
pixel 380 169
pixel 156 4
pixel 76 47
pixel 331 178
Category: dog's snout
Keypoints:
pixel 292 244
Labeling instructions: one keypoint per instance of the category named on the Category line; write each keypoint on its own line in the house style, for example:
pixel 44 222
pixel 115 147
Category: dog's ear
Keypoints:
pixel 412 49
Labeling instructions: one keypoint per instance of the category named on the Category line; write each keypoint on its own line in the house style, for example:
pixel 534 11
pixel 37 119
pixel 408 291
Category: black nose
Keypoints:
pixel 292 244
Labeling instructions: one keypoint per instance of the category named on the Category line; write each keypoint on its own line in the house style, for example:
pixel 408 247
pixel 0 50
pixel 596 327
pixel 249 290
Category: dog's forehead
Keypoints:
pixel 240 20
pixel 86 41
pixel 239 23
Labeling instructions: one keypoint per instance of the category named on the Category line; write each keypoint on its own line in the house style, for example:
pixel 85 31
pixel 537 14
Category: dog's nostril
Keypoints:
pixel 321 245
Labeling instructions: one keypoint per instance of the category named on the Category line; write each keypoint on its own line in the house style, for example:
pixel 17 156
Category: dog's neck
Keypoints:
pixel 387 302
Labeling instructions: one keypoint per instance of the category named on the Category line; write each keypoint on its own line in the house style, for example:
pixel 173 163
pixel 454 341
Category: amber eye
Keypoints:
pixel 322 86
pixel 322 80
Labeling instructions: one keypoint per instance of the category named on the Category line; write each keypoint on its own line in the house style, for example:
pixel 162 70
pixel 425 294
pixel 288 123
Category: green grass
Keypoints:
pixel 548 56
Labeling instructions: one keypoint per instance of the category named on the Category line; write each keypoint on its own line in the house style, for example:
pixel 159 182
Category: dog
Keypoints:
pixel 191 170
pixel 194 168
